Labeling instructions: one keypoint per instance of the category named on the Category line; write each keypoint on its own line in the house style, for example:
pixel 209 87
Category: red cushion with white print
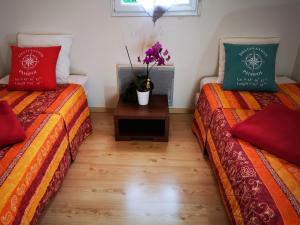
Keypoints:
pixel 34 68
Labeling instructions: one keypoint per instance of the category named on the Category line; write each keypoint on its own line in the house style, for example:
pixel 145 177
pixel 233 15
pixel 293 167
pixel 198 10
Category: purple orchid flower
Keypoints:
pixel 160 61
pixel 146 60
pixel 155 56
pixel 150 52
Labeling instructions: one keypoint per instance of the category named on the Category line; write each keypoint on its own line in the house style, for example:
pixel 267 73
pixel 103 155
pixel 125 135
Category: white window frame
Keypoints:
pixel 119 9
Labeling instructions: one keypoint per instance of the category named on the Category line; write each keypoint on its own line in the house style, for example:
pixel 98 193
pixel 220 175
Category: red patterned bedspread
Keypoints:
pixel 69 101
pixel 257 187
pixel 213 97
pixel 31 172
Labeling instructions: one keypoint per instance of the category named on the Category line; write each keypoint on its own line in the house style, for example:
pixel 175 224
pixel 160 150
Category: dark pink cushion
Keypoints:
pixel 11 130
pixel 275 129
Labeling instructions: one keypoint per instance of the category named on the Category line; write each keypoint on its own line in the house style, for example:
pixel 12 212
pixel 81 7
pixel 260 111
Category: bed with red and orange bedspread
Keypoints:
pixel 256 187
pixel 31 172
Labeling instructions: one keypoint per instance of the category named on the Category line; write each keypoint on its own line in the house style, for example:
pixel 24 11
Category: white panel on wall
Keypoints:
pixel 99 38
pixel 296 71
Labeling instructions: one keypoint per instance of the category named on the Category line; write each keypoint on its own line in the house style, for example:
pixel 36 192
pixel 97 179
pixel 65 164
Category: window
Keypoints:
pixel 140 7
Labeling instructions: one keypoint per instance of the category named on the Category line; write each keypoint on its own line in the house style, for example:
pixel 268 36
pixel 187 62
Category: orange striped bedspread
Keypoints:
pixel 69 101
pixel 257 187
pixel 31 171
pixel 213 97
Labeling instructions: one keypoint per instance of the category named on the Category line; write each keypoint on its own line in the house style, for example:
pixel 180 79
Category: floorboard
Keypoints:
pixel 138 182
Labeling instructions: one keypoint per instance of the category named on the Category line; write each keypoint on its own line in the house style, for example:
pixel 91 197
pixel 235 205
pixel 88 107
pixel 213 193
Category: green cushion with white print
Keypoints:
pixel 250 67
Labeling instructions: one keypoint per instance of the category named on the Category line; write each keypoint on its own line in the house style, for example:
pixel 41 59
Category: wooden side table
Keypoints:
pixel 150 122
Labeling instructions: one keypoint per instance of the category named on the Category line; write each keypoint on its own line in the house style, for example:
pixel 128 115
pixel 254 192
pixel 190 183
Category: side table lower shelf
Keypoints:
pixel 142 129
pixel 134 122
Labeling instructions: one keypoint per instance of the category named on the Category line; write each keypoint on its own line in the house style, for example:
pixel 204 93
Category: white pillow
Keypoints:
pixel 44 40
pixel 245 40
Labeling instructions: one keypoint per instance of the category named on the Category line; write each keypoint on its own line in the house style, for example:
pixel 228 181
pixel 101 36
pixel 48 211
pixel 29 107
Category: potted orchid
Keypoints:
pixel 154 56
pixel 140 89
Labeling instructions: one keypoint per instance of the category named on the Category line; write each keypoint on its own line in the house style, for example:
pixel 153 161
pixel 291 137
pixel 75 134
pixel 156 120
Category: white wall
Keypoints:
pixel 99 39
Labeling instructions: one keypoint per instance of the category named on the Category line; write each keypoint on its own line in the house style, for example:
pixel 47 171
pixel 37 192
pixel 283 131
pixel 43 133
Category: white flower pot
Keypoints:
pixel 143 97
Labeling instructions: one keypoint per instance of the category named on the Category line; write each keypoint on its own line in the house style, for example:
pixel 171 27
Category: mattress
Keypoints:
pixel 72 79
pixel 213 79
pixel 24 188
pixel 68 100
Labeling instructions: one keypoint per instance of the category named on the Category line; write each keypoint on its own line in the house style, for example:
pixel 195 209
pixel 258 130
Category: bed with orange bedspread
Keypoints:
pixel 68 100
pixel 31 172
pixel 257 187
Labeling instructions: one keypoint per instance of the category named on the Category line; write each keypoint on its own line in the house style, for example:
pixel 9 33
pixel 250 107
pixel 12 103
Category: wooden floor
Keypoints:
pixel 138 182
